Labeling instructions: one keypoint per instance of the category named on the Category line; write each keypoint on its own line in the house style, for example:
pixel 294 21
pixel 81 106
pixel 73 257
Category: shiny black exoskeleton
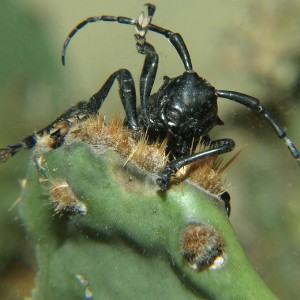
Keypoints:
pixel 184 109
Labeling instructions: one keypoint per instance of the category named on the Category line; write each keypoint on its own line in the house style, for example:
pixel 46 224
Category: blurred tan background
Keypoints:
pixel 246 46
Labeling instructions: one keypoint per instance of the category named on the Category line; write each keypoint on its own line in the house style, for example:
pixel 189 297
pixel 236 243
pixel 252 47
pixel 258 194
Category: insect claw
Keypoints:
pixel 225 197
pixel 162 183
pixel 164 178
pixel 151 9
pixel 9 151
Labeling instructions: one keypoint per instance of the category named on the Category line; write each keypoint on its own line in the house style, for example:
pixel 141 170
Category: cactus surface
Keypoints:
pixel 102 230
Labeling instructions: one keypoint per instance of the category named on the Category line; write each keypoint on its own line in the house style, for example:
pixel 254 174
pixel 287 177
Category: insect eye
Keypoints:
pixel 194 122
pixel 173 116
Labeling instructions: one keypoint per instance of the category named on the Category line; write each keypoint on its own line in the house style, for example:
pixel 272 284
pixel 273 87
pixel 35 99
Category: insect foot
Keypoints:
pixel 145 19
pixel 6 153
pixel 164 178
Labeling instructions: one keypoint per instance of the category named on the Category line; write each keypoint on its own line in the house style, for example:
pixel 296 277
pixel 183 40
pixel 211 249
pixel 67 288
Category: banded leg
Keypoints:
pixel 85 109
pixel 255 105
pixel 58 129
pixel 56 132
pixel 216 147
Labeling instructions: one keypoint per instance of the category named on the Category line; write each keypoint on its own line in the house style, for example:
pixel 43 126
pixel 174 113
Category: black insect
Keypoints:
pixel 183 110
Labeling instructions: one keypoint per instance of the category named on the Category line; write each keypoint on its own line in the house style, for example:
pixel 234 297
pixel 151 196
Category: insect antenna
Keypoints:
pixel 121 20
pixel 142 25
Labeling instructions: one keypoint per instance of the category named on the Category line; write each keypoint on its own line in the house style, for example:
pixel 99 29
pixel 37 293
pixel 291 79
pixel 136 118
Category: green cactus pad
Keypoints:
pixel 132 242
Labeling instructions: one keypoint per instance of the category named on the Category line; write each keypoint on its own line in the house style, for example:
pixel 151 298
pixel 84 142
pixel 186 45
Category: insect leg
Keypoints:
pixel 127 94
pixel 144 24
pixel 255 105
pixel 147 76
pixel 9 151
pixel 149 71
pixel 85 109
pixel 58 129
pixel 216 147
